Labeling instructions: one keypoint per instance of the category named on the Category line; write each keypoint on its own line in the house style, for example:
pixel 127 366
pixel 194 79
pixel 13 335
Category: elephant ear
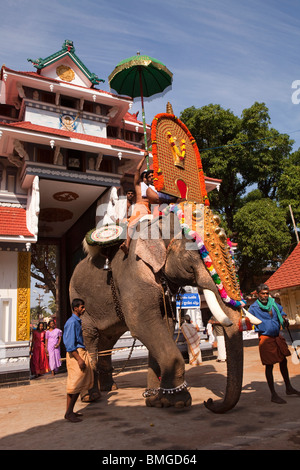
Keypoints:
pixel 151 248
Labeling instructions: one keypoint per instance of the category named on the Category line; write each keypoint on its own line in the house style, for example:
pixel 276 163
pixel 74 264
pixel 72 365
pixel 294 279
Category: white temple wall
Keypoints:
pixel 44 117
pixel 8 295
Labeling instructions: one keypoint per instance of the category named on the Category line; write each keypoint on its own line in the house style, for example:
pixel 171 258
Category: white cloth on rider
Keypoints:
pixel 144 188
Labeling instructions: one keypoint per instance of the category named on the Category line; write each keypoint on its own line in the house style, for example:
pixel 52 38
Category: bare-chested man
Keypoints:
pixel 142 205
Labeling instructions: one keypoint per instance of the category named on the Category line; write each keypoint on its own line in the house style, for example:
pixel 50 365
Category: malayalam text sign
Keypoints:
pixel 188 301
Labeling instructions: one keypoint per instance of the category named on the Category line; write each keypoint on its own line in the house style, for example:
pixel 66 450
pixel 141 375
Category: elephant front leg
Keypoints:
pixel 153 381
pixel 90 336
pixel 104 365
pixel 166 383
pixel 164 393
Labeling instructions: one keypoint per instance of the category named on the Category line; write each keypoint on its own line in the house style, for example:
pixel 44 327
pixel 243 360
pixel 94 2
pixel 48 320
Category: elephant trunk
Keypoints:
pixel 234 353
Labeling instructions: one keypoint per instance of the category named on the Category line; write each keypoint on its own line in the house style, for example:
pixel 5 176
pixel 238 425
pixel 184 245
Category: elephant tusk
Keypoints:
pixel 215 308
pixel 252 318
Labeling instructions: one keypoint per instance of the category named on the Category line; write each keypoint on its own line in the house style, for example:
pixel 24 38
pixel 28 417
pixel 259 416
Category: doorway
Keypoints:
pixel 45 282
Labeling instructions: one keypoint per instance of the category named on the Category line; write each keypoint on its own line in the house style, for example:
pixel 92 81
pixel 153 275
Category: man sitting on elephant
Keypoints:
pixel 141 208
pixel 146 197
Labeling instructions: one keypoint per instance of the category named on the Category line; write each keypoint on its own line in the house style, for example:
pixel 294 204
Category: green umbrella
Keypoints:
pixel 140 76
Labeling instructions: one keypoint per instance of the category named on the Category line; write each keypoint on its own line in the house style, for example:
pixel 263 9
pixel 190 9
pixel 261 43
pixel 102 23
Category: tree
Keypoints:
pixel 52 305
pixel 37 312
pixel 213 128
pixel 43 265
pixel 263 237
pixel 289 188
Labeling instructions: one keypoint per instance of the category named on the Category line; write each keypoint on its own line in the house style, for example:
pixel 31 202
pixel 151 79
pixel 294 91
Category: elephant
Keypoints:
pixel 130 296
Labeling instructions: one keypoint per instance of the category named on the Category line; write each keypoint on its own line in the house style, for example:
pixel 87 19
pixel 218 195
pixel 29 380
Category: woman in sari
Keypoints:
pixel 39 362
pixel 53 339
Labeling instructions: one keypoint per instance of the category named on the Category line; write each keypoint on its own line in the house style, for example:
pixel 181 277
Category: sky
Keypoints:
pixel 230 52
pixel 226 52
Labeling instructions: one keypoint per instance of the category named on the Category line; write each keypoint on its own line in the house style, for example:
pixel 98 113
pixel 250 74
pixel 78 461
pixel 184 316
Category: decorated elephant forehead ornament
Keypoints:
pixel 177 167
pixel 178 172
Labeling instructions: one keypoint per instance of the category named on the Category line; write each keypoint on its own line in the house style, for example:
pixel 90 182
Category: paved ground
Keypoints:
pixel 31 417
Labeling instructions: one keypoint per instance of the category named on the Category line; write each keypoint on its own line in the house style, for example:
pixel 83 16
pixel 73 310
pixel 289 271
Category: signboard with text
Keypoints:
pixel 188 300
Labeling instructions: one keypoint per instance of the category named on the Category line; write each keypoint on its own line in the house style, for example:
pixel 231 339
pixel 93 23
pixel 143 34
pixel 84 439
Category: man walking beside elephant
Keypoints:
pixel 272 346
pixel 80 373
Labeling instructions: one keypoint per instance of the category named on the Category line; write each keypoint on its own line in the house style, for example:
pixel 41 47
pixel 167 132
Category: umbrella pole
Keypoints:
pixel 144 120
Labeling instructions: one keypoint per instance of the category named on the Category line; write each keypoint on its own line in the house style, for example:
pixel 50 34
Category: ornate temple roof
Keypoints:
pixel 68 49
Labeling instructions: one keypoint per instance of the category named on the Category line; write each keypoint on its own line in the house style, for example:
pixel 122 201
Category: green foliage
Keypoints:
pixel 52 305
pixel 43 265
pixel 252 196
pixel 37 312
pixel 263 232
pixel 264 239
pixel 289 187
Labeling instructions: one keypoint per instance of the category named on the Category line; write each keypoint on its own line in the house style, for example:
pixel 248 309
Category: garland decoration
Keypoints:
pixel 157 173
pixel 188 232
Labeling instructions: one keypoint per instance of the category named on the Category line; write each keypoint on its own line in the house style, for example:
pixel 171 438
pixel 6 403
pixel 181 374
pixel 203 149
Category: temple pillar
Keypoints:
pixel 23 297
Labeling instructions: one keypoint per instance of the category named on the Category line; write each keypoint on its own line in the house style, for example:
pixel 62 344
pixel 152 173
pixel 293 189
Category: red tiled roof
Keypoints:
pixel 13 222
pixel 208 178
pixel 30 74
pixel 288 275
pixel 72 135
pixel 132 117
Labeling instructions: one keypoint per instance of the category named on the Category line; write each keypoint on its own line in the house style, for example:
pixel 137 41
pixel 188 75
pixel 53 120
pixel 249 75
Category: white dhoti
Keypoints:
pixel 221 348
pixel 193 341
pixel 79 381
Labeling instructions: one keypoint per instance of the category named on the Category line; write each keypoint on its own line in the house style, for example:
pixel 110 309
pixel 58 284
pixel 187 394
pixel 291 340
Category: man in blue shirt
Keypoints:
pixel 272 346
pixel 80 374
